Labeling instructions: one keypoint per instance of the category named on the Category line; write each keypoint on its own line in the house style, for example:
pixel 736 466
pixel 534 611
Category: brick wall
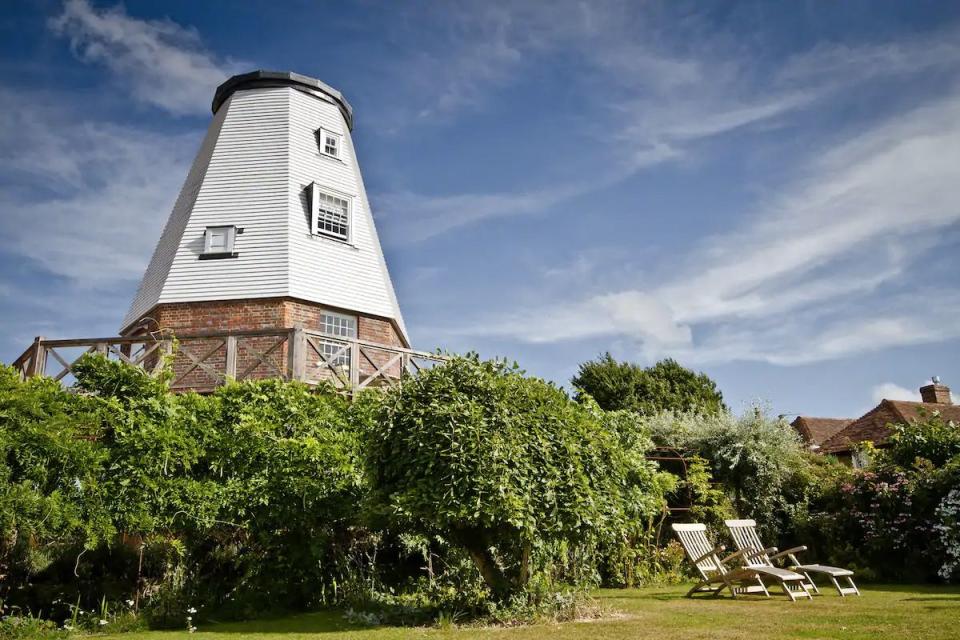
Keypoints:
pixel 255 314
pixel 220 315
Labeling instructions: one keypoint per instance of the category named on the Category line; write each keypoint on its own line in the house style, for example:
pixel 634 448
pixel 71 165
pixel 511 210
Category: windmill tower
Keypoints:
pixel 272 227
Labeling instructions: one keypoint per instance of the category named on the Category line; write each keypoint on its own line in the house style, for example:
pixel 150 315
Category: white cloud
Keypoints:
pixel 159 61
pixel 658 104
pixel 630 312
pixel 95 195
pixel 844 63
pixel 892 391
pixel 790 285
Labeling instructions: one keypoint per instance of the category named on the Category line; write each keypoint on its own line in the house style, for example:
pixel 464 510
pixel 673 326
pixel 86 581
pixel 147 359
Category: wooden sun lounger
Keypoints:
pixel 744 534
pixel 716 576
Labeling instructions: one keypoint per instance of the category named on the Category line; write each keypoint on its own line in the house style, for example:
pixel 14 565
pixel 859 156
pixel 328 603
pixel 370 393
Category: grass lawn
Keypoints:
pixel 887 612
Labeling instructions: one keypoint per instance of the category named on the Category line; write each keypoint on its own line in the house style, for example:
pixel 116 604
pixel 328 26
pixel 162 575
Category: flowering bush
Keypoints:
pixel 948 527
pixel 899 518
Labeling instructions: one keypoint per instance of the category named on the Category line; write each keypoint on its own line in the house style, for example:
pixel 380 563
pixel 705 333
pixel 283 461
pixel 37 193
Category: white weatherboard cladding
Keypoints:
pixel 350 276
pixel 153 279
pixel 253 171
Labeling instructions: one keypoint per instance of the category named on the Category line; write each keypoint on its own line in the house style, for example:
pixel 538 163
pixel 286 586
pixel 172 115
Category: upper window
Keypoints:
pixel 331 213
pixel 337 324
pixel 219 241
pixel 330 143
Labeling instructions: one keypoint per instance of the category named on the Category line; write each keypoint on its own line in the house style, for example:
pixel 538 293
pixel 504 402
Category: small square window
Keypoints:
pixel 219 241
pixel 329 143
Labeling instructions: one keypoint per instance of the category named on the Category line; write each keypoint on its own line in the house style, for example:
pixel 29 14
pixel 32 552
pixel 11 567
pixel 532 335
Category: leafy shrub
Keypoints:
pixel 242 500
pixel 123 502
pixel 506 467
pixel 931 439
pixel 757 461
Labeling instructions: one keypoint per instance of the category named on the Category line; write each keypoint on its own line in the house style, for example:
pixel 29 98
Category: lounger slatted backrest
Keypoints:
pixel 744 534
pixel 693 537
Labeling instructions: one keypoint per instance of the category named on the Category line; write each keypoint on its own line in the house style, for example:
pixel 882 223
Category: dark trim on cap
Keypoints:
pixel 257 79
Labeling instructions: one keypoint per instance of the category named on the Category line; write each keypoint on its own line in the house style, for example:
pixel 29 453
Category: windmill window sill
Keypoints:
pixel 218 256
pixel 335 240
pixel 330 157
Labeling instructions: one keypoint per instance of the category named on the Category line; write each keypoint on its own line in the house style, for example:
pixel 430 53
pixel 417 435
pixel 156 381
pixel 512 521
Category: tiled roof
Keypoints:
pixel 816 431
pixel 874 426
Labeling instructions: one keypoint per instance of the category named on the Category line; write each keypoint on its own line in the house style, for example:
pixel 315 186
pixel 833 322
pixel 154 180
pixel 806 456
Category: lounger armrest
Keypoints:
pixel 735 554
pixel 789 552
pixel 753 553
pixel 716 550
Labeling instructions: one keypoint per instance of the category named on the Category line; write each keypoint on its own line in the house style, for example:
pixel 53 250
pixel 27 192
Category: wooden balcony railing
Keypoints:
pixel 203 361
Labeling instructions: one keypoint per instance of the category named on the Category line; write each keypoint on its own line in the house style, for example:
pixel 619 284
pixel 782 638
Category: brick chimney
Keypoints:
pixel 936 393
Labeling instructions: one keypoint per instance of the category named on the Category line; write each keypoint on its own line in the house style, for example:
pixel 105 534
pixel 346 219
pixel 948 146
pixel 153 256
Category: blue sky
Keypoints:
pixel 768 192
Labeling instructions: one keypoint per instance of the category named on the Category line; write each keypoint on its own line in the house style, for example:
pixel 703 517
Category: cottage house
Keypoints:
pixel 816 431
pixel 843 437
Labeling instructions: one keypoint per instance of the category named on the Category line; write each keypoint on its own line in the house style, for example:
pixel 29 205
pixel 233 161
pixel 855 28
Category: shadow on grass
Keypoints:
pixel 317 622
pixel 933 589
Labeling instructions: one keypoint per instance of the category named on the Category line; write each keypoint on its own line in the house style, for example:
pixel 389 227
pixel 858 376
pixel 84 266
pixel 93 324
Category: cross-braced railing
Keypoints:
pixel 206 360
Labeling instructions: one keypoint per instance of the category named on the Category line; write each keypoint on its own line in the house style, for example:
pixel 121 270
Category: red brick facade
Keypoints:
pixel 258 314
pixel 263 313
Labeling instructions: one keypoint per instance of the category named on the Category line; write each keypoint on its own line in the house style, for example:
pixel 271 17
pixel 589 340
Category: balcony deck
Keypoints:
pixel 203 361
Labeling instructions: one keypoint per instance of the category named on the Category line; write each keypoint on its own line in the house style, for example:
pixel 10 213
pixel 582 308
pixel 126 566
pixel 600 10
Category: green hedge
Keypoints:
pixel 271 495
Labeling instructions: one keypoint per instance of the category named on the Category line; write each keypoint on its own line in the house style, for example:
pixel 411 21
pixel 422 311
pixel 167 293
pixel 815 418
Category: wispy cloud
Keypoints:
pixel 94 195
pixel 790 285
pixel 658 104
pixel 160 62
pixel 893 391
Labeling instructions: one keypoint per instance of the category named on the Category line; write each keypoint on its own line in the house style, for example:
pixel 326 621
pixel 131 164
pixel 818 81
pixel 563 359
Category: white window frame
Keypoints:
pixel 338 319
pixel 323 135
pixel 316 194
pixel 330 347
pixel 230 235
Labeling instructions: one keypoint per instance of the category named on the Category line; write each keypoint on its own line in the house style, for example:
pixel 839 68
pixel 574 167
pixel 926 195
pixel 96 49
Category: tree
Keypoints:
pixel 501 465
pixel 666 386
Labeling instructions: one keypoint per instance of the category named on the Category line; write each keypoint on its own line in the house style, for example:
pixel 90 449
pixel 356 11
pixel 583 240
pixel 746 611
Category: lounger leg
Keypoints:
pixel 733 590
pixel 786 590
pixel 837 585
pixel 852 585
pixel 695 588
pixel 811 583
pixel 763 586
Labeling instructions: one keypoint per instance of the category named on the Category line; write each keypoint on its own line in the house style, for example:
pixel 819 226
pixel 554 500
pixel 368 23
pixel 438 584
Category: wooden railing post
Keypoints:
pixel 230 364
pixel 38 363
pixel 354 364
pixel 297 354
pixel 404 366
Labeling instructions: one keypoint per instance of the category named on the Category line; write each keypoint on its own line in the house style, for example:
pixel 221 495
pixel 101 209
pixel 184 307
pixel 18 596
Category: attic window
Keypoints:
pixel 331 213
pixel 330 143
pixel 218 242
